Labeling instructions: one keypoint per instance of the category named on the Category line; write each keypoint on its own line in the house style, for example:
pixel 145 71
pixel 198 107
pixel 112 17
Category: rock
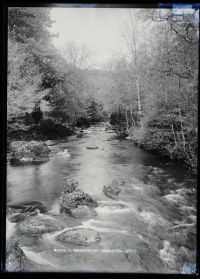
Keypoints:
pixel 70 186
pixel 15 257
pixel 113 206
pixel 111 191
pixel 73 200
pixel 29 206
pixel 83 211
pixel 16 217
pixel 92 147
pixel 37 225
pixel 79 236
pixel 73 197
pixel 80 135
pixel 23 152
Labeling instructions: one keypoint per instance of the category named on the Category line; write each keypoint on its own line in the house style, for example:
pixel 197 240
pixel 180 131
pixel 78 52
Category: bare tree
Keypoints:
pixel 130 36
pixel 77 55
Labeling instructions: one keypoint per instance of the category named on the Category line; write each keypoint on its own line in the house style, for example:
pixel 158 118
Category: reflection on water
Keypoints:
pixel 139 224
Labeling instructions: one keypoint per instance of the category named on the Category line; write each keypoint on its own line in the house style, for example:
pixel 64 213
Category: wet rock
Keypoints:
pixel 73 197
pixel 73 200
pixel 79 236
pixel 16 217
pixel 92 147
pixel 83 211
pixel 70 186
pixel 111 191
pixel 80 135
pixel 15 257
pixel 23 152
pixel 27 206
pixel 113 206
pixel 37 225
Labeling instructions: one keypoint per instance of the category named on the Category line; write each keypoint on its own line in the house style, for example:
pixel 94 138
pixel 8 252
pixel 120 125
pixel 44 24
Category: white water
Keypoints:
pixel 149 210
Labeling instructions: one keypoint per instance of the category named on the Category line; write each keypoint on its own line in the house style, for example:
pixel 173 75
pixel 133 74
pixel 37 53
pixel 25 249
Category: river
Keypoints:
pixel 139 237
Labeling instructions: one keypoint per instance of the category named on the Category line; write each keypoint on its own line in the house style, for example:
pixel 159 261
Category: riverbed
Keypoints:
pixel 144 230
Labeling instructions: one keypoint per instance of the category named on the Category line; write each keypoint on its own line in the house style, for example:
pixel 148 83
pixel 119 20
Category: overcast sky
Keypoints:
pixel 98 28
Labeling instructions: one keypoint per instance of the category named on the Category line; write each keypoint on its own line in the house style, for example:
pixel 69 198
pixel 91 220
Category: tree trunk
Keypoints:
pixel 175 142
pixel 138 95
pixel 133 121
pixel 182 132
pixel 127 128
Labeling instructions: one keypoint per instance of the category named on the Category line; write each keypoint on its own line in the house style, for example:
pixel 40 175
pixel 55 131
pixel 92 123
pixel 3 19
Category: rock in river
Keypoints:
pixel 23 152
pixel 37 225
pixel 83 211
pixel 92 147
pixel 73 197
pixel 111 191
pixel 16 217
pixel 79 236
pixel 27 206
pixel 15 258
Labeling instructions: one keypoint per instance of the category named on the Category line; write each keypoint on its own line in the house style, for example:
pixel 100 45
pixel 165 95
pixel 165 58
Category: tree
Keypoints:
pixel 76 55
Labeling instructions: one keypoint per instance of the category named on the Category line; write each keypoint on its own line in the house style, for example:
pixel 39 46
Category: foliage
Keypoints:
pixel 165 77
pixel 37 72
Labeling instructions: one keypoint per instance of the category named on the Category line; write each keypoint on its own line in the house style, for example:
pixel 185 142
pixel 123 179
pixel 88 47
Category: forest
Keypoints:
pixel 149 94
pixel 102 147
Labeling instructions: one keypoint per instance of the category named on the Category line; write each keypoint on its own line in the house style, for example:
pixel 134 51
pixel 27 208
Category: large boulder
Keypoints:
pixel 79 236
pixel 23 152
pixel 15 258
pixel 38 225
pixel 73 197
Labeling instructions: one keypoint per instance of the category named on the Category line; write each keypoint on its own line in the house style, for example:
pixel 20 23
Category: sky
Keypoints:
pixel 98 28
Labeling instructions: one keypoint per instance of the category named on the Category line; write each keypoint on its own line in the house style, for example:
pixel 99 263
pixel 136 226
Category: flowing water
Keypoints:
pixel 143 231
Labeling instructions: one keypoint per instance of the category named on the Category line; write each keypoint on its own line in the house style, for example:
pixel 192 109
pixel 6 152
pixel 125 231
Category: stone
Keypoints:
pixel 70 186
pixel 16 217
pixel 27 206
pixel 15 257
pixel 111 191
pixel 25 152
pixel 113 206
pixel 80 135
pixel 38 225
pixel 83 211
pixel 92 147
pixel 79 236
pixel 73 197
